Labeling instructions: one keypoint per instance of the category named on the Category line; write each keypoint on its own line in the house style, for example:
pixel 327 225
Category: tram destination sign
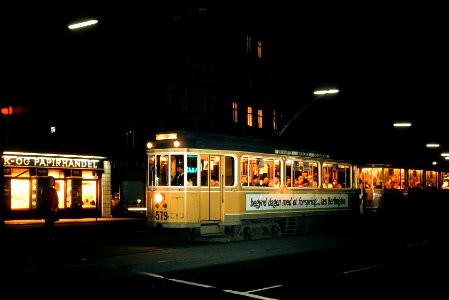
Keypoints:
pixel 300 153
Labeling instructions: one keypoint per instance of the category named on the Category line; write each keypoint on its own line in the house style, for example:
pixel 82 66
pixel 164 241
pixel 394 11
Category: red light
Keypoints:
pixel 7 110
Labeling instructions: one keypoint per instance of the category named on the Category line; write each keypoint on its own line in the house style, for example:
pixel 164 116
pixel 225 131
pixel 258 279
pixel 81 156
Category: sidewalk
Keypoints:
pixel 77 220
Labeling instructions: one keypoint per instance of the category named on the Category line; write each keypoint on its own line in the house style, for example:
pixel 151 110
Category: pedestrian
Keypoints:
pixel 50 204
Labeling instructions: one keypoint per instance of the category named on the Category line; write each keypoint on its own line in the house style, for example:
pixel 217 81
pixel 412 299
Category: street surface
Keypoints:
pixel 99 258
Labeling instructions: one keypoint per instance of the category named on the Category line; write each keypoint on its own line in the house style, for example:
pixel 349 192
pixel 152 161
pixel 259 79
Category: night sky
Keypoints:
pixel 389 61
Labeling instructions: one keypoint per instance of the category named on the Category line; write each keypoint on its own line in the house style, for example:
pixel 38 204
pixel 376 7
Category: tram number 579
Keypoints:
pixel 161 215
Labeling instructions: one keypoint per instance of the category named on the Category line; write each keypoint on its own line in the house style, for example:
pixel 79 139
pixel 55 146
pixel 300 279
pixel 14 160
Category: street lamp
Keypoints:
pixel 319 93
pixel 402 124
pixel 82 24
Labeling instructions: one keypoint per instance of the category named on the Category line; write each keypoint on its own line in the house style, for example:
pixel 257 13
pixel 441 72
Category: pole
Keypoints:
pixel 320 94
pixel 296 115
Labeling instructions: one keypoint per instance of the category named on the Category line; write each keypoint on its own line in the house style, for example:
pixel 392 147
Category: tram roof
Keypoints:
pixel 215 141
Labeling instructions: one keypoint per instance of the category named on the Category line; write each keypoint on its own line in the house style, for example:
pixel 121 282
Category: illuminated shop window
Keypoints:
pixel 89 192
pixel 20 193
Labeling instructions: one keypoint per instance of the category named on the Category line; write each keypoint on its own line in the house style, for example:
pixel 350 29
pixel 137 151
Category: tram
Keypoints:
pixel 402 189
pixel 237 188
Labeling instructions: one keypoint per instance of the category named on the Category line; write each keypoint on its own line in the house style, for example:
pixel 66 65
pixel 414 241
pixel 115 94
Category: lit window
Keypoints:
pixel 259 49
pixel 274 120
pixel 248 44
pixel 259 119
pixel 234 112
pixel 250 116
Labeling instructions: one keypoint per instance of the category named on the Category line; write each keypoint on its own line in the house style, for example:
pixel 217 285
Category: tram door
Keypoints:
pixel 211 188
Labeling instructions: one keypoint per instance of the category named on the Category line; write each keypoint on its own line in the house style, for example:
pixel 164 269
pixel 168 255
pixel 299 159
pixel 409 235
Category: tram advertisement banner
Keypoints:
pixel 257 202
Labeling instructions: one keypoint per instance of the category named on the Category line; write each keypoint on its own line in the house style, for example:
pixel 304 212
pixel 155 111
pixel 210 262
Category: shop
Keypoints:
pixel 83 184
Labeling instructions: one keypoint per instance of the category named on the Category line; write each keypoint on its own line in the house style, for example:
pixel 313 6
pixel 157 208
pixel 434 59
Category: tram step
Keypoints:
pixel 210 229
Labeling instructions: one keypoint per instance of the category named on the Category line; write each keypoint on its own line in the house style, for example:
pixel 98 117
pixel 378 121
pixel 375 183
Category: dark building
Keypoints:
pixel 201 75
pixel 184 70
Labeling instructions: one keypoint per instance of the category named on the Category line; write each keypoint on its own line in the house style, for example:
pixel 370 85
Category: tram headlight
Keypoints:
pixel 158 198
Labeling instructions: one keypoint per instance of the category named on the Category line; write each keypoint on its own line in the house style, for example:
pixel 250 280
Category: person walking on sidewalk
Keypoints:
pixel 50 204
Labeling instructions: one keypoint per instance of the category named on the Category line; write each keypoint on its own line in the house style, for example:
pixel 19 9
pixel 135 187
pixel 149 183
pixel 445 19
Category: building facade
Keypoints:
pixel 83 184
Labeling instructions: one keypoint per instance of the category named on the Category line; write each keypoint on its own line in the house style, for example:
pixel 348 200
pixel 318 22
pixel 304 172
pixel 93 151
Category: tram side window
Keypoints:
pixel 372 178
pixel 343 176
pixel 394 178
pixel 210 169
pixel 431 179
pixel 192 170
pixel 288 173
pixel 177 170
pixel 229 171
pixel 245 178
pixel 204 167
pixel 415 179
pixel 214 170
pixel 297 175
pixel 445 180
pixel 258 171
pixel 151 170
pixel 160 171
pixel 336 175
pixel 269 172
pixel 310 173
pixel 254 172
pixel 303 173
pixel 327 175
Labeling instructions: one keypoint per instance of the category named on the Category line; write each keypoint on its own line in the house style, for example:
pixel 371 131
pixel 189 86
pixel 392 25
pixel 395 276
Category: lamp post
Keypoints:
pixel 319 94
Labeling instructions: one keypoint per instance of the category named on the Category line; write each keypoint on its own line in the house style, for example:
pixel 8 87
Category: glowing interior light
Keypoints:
pixel 176 144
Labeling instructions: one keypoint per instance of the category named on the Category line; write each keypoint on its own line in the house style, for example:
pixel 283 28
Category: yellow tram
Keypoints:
pixel 243 188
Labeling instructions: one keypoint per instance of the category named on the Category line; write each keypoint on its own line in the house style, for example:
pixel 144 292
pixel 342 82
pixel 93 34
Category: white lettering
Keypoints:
pixel 40 161
pixel 265 202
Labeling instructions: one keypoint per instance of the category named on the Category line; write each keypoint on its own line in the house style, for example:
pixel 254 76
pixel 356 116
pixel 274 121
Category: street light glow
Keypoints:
pixel 83 24
pixel 433 145
pixel 402 124
pixel 323 92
